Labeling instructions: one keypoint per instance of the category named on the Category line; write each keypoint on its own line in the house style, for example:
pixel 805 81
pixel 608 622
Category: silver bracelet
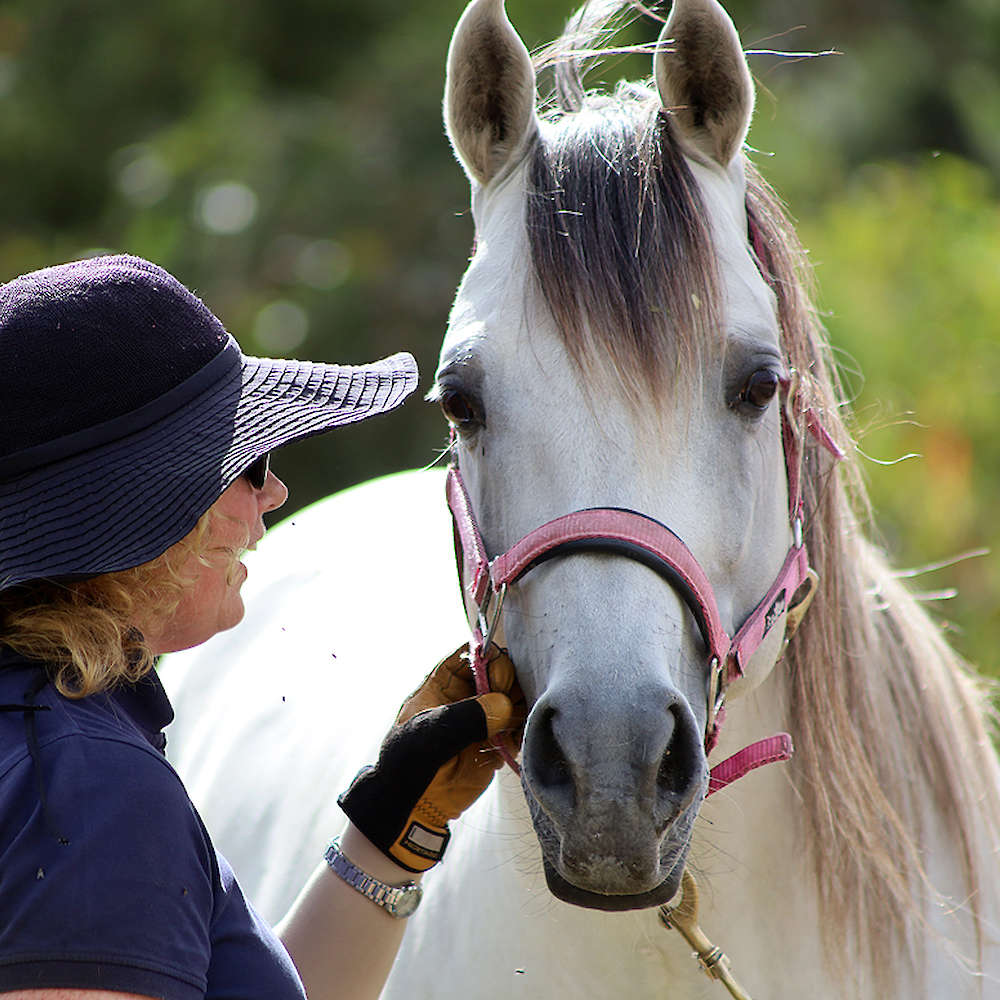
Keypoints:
pixel 396 900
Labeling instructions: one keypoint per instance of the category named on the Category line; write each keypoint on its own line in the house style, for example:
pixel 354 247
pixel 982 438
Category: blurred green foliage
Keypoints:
pixel 286 160
pixel 908 257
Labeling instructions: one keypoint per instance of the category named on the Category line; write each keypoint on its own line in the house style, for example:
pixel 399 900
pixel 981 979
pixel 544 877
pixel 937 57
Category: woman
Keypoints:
pixel 134 442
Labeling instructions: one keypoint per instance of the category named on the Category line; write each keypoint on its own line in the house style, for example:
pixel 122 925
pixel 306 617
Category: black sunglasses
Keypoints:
pixel 256 472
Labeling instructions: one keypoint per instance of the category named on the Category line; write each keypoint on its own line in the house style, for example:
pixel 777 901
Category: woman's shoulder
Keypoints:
pixel 93 813
pixel 76 766
pixel 30 704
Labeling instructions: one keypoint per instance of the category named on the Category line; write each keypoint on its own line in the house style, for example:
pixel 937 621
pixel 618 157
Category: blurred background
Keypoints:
pixel 285 159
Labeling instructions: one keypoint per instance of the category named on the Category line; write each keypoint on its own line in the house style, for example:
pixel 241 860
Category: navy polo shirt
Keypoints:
pixel 108 878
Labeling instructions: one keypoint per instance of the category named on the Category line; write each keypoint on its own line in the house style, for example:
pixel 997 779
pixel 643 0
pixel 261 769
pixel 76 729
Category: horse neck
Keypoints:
pixel 890 735
pixel 893 762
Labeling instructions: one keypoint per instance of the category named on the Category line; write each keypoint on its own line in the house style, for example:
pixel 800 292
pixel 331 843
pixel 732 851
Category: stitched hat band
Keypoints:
pixel 126 410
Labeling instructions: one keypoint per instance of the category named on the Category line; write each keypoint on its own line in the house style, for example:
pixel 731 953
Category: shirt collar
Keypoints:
pixel 145 702
pixel 147 705
pixel 8 658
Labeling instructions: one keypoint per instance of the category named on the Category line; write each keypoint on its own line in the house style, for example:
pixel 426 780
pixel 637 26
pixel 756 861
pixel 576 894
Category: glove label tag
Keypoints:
pixel 424 842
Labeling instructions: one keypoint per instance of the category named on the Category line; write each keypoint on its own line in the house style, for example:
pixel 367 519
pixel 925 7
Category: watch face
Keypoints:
pixel 406 901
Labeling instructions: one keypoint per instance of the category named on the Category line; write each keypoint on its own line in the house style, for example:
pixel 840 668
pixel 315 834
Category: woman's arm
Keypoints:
pixel 434 763
pixel 342 943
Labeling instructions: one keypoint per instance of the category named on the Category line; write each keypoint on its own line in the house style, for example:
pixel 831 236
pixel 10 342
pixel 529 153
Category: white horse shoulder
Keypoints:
pixel 348 608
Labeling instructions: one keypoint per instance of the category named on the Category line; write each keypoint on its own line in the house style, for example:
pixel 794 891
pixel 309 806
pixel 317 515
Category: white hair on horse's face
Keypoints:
pixel 597 355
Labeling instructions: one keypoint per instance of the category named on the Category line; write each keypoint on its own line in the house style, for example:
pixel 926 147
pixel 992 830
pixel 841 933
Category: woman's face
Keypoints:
pixel 213 603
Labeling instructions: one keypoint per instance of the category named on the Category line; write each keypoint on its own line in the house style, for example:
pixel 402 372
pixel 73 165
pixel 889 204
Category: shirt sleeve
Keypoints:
pixel 110 885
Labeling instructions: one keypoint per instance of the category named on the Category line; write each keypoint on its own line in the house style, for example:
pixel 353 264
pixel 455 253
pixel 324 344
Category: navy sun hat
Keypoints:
pixel 126 409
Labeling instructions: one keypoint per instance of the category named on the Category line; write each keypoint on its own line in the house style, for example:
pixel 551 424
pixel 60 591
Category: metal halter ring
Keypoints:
pixel 488 628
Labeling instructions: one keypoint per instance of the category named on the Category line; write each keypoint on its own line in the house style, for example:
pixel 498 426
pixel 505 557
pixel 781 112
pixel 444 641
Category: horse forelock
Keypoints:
pixel 620 247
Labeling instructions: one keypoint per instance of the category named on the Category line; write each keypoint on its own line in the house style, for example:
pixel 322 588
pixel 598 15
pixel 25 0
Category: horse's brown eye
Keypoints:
pixel 460 410
pixel 760 389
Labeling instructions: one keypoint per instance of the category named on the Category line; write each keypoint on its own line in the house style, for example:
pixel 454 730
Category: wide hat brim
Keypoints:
pixel 118 496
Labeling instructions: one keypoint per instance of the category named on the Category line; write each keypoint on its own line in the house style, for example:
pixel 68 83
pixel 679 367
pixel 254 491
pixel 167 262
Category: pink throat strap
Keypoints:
pixel 769 751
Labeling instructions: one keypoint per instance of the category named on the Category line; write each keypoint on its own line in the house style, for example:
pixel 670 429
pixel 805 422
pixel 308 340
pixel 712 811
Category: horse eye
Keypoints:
pixel 460 410
pixel 760 389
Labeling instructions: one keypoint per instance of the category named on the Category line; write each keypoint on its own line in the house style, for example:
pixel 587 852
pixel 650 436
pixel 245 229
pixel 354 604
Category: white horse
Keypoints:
pixel 623 338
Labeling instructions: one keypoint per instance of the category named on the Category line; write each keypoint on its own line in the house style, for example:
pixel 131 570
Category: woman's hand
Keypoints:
pixel 436 760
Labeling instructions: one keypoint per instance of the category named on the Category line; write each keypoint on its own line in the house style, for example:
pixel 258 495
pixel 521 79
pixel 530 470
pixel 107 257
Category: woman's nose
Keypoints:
pixel 274 493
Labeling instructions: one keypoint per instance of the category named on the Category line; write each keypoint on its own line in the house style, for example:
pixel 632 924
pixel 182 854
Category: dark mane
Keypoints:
pixel 619 247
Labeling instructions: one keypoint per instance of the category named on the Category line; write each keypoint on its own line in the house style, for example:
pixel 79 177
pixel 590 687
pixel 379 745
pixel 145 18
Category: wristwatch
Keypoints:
pixel 396 900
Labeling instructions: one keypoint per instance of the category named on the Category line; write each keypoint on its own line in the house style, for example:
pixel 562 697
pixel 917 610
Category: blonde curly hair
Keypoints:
pixel 84 632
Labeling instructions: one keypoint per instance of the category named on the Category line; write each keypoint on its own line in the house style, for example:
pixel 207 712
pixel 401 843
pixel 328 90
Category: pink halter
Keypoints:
pixel 637 536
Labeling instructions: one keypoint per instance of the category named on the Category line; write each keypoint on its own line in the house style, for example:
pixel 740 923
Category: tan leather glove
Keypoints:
pixel 436 760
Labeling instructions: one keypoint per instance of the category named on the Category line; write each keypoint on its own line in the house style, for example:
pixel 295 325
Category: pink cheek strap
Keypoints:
pixel 644 539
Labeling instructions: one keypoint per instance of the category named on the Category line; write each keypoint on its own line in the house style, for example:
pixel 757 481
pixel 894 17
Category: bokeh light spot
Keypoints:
pixel 8 74
pixel 143 177
pixel 323 264
pixel 227 208
pixel 281 328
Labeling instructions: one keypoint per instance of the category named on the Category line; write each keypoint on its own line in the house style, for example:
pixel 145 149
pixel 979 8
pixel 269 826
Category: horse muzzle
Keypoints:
pixel 613 800
pixel 603 872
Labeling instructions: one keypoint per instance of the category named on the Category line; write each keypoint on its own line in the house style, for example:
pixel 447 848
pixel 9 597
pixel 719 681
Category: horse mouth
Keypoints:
pixel 570 893
pixel 608 880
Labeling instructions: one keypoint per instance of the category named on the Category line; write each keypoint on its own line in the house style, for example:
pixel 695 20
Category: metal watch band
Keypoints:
pixel 396 900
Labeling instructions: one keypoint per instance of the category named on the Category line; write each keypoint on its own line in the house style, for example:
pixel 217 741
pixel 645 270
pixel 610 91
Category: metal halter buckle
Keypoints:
pixel 488 628
pixel 716 688
pixel 802 599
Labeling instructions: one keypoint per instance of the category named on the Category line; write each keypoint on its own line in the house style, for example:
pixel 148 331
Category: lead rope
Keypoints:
pixel 683 917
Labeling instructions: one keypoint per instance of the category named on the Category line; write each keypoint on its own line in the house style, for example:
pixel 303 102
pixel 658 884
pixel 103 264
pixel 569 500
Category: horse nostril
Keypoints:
pixel 679 766
pixel 649 757
pixel 550 767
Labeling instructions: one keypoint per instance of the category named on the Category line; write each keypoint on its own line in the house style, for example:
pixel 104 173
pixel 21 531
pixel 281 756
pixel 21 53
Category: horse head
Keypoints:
pixel 613 344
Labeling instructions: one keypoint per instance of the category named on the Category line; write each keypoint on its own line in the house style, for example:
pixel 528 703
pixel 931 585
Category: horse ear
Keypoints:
pixel 489 98
pixel 703 78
